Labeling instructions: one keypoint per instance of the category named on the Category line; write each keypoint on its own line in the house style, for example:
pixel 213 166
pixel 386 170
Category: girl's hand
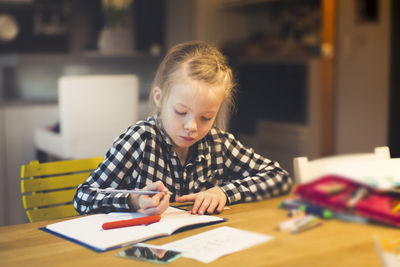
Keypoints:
pixel 150 204
pixel 211 199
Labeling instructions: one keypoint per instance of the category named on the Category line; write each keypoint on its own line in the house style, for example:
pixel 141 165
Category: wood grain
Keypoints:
pixel 335 243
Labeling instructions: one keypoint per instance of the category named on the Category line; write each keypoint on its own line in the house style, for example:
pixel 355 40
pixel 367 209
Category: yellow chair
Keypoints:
pixel 48 188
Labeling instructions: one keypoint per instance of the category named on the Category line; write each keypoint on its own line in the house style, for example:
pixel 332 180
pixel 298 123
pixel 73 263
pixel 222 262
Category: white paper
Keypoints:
pixel 211 245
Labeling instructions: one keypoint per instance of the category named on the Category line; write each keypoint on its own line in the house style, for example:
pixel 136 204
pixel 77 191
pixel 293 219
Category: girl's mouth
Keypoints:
pixel 187 138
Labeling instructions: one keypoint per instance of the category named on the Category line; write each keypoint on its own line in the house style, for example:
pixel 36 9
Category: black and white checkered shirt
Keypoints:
pixel 143 154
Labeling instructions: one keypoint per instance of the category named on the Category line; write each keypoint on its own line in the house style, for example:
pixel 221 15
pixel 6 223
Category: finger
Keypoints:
pixel 197 202
pixel 151 211
pixel 164 204
pixel 205 204
pixel 214 203
pixel 190 197
pixel 150 202
pixel 221 205
pixel 157 200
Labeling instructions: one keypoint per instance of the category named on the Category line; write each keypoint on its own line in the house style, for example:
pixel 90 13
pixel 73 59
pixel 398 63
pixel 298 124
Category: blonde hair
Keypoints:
pixel 197 61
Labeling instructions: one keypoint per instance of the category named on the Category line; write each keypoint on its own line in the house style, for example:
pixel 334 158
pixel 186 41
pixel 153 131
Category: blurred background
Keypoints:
pixel 314 77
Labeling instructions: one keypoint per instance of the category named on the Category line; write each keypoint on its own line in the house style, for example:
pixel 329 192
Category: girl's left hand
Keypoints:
pixel 211 199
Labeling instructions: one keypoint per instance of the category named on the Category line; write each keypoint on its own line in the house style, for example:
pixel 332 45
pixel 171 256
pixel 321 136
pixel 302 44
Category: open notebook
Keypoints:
pixel 88 231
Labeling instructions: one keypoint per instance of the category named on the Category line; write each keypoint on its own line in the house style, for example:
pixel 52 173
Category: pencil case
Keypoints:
pixel 344 195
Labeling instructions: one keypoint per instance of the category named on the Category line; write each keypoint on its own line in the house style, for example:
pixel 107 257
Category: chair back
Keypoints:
pixel 94 110
pixel 306 170
pixel 48 188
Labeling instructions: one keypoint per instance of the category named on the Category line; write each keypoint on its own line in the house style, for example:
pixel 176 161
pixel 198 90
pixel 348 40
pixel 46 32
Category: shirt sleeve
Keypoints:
pixel 119 163
pixel 253 177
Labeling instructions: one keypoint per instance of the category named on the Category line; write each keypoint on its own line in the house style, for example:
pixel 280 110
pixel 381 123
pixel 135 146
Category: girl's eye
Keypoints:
pixel 205 118
pixel 180 113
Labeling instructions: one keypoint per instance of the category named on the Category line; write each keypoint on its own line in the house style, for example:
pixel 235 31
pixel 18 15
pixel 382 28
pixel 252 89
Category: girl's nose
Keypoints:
pixel 190 125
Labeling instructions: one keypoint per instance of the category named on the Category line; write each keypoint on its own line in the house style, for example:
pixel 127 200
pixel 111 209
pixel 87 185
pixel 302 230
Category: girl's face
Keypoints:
pixel 189 112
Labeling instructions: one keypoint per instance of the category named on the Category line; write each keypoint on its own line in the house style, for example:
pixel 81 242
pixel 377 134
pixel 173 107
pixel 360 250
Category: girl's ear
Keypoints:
pixel 157 93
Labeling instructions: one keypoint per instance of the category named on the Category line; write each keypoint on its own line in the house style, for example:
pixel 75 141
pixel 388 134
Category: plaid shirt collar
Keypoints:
pixel 164 135
pixel 198 151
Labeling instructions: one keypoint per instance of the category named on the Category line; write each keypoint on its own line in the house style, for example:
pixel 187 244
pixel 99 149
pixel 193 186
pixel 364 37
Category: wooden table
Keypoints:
pixel 335 243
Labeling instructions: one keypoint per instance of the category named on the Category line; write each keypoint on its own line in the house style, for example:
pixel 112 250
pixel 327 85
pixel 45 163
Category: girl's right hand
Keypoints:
pixel 151 204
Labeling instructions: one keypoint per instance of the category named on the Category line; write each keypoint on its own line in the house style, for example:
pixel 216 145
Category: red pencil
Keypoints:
pixel 131 222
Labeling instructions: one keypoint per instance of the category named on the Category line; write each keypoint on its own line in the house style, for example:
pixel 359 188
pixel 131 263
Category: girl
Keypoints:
pixel 179 149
